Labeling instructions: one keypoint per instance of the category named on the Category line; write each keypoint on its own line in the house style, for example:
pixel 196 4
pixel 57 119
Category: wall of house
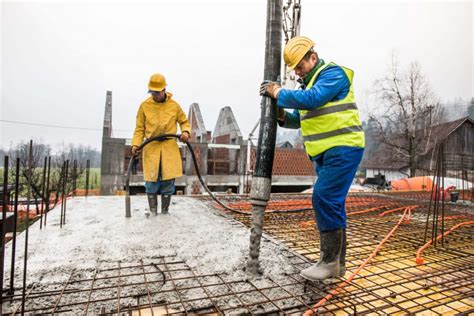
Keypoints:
pixel 390 175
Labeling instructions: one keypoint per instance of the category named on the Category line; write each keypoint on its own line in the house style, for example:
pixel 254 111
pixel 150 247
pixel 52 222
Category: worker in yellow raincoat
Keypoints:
pixel 158 115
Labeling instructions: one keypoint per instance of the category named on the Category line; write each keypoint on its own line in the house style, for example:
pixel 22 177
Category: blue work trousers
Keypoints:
pixel 165 187
pixel 336 169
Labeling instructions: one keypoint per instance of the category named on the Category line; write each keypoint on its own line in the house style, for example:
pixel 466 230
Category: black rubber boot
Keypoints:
pixel 165 203
pixel 153 203
pixel 328 265
pixel 342 258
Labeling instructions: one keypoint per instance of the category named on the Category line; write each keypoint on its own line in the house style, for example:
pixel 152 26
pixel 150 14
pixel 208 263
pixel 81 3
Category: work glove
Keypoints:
pixel 270 89
pixel 184 137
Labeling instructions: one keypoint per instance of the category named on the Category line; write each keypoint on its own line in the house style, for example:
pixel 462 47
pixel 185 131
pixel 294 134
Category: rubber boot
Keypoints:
pixel 153 203
pixel 342 257
pixel 328 265
pixel 165 203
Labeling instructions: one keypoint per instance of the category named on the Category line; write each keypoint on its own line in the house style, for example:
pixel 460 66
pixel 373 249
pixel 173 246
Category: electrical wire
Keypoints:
pixel 60 126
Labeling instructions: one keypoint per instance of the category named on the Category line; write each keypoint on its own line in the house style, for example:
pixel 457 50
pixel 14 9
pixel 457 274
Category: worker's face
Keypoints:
pixel 305 66
pixel 159 96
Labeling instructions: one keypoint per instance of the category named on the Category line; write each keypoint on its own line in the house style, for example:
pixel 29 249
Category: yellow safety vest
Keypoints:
pixel 333 124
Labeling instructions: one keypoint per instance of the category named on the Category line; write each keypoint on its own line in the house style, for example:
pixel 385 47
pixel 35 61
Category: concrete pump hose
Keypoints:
pixel 160 139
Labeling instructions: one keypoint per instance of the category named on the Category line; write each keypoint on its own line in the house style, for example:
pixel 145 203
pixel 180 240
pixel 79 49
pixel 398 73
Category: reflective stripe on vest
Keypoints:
pixel 332 109
pixel 336 132
pixel 333 124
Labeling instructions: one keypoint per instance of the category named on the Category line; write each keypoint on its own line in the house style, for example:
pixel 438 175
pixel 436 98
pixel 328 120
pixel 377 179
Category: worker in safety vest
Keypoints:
pixel 162 163
pixel 327 114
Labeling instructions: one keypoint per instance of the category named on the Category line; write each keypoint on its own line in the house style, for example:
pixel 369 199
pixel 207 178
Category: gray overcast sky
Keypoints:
pixel 58 59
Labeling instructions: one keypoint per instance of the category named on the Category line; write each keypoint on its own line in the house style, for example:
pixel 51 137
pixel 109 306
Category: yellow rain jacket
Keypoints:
pixel 154 119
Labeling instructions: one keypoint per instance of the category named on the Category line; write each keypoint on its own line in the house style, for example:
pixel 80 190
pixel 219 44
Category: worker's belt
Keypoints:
pixel 329 110
pixel 345 130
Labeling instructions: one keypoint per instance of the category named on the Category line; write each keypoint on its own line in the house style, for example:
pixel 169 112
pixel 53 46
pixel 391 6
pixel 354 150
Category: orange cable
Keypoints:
pixel 353 275
pixel 419 259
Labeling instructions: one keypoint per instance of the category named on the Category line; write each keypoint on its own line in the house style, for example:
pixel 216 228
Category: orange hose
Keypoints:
pixel 353 275
pixel 446 218
pixel 398 209
pixel 368 210
pixel 419 259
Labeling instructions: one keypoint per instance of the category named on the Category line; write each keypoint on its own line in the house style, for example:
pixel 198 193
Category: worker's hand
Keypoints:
pixel 270 89
pixel 134 150
pixel 184 137
pixel 281 114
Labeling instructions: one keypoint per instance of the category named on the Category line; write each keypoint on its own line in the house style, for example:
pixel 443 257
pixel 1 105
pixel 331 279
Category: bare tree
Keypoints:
pixel 410 110
pixel 470 109
pixel 30 170
pixel 34 172
pixel 77 156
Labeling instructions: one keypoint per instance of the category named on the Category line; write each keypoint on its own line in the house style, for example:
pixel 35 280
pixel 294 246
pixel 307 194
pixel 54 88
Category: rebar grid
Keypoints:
pixel 393 282
pixel 165 285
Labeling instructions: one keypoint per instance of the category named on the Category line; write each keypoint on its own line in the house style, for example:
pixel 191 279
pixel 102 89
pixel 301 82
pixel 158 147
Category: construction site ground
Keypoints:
pixel 193 260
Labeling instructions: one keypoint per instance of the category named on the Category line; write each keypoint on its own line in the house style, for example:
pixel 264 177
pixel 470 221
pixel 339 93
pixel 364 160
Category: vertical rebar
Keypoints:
pixel 432 198
pixel 462 178
pixel 15 221
pixel 74 177
pixel 3 226
pixel 88 166
pixel 443 175
pixel 61 188
pixel 66 191
pixel 48 194
pixel 43 184
pixel 262 178
pixel 437 197
pixel 29 171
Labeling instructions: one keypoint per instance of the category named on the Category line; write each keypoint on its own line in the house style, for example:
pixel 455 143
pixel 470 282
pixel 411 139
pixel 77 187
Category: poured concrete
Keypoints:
pixel 96 230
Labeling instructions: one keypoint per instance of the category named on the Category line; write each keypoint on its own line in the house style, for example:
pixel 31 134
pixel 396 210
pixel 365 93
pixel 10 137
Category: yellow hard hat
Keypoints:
pixel 295 50
pixel 157 82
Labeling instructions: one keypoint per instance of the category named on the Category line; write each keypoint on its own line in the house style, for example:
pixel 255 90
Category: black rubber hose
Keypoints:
pixel 165 137
pixel 168 136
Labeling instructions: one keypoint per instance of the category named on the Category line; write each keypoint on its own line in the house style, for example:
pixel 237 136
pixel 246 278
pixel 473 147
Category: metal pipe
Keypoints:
pixel 249 150
pixel 262 178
